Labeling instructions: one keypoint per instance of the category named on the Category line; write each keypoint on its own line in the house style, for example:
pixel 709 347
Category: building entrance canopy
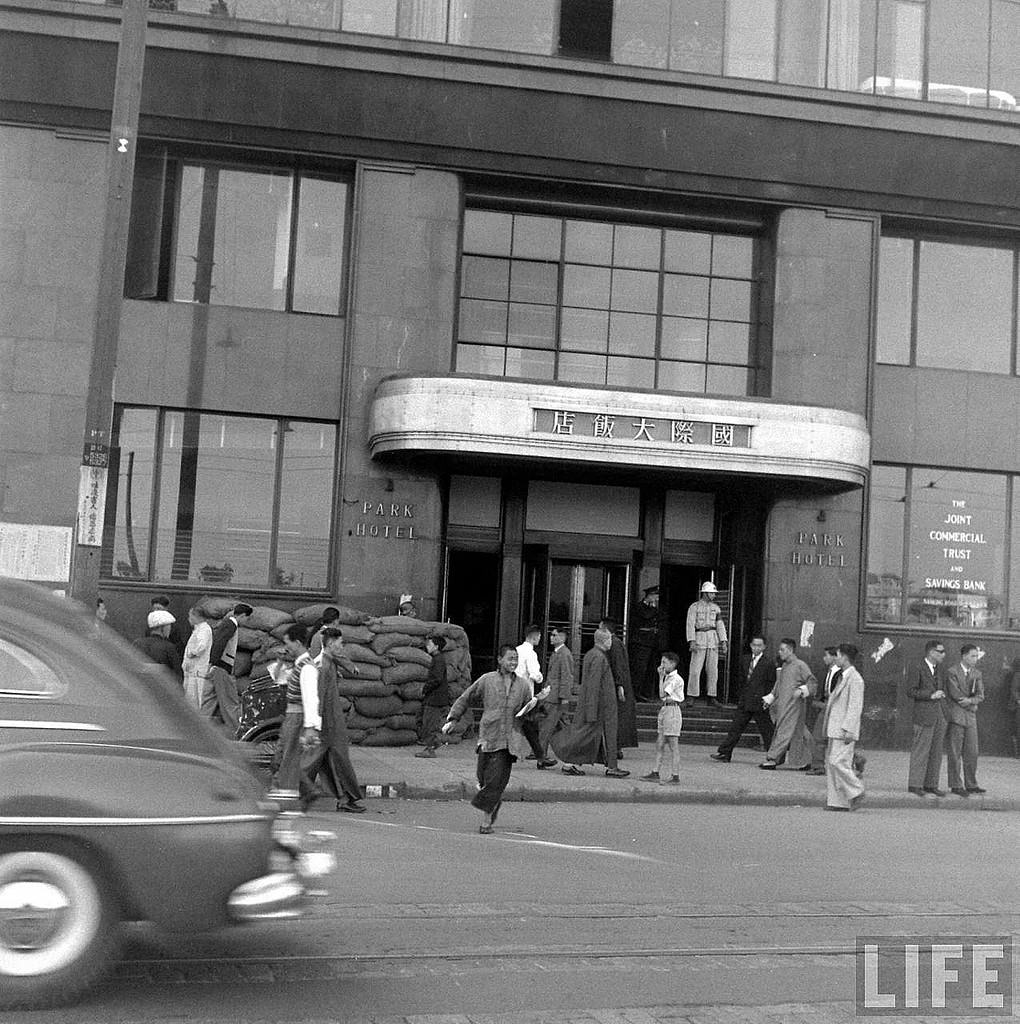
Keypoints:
pixel 557 423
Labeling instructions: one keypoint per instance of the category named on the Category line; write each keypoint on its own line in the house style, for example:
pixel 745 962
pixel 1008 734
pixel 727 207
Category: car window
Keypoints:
pixel 24 675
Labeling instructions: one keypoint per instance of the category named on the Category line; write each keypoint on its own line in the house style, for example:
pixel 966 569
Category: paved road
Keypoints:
pixel 571 911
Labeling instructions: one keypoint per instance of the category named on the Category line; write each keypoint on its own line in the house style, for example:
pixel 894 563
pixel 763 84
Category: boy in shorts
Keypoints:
pixel 671 693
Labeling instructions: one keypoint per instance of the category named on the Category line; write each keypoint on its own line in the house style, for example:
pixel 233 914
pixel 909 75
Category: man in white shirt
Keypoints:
pixel 530 671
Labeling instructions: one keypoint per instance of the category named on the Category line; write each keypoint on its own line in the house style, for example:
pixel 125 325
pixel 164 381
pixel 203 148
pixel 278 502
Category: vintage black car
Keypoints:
pixel 117 803
pixel 263 705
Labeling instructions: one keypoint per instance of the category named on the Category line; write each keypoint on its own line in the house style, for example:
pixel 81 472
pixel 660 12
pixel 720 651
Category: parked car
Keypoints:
pixel 118 803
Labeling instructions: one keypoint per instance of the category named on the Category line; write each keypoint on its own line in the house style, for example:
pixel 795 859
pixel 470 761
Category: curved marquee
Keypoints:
pixel 483 416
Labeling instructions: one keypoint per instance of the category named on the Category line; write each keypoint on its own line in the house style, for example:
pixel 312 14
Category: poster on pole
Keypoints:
pixel 32 552
pixel 91 505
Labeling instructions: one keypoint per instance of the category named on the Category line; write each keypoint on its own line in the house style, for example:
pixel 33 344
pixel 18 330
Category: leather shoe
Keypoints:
pixel 934 791
pixel 353 808
pixel 976 789
pixel 616 773
pixel 768 766
pixel 959 792
pixel 815 771
pixel 650 777
pixel 549 762
pixel 917 791
pixel 571 769
pixel 856 801
pixel 725 758
pixel 530 757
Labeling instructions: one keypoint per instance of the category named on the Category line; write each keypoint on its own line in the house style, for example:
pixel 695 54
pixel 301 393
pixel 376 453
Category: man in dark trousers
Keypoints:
pixel 222 691
pixel 927 691
pixel 559 677
pixel 435 697
pixel 646 644
pixel 758 671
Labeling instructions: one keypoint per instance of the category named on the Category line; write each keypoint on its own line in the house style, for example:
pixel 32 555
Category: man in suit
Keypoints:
pixel 759 674
pixel 965 691
pixel 559 677
pixel 222 689
pixel 818 702
pixel 928 692
pixel 845 791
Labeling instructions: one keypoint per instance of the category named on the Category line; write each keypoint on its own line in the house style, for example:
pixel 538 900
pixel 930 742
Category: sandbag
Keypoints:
pixel 366 656
pixel 356 736
pixel 410 656
pixel 412 691
pixel 382 642
pixel 405 673
pixel 364 672
pixel 412 707
pixel 402 624
pixel 452 632
pixel 363 688
pixel 250 639
pixel 278 632
pixel 399 722
pixel 269 651
pixel 378 707
pixel 310 615
pixel 390 738
pixel 213 607
pixel 267 619
pixel 357 634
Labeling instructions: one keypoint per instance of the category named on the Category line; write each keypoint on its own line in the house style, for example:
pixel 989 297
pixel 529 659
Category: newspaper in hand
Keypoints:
pixel 527 707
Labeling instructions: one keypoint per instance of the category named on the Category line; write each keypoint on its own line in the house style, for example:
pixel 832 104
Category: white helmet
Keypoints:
pixel 709 588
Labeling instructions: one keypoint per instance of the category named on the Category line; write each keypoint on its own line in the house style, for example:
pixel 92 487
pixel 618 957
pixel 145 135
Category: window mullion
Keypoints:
pixel 905 573
pixel 295 202
pixel 157 484
pixel 274 529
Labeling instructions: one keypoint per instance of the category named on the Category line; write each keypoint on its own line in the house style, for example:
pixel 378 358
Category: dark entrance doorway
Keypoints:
pixel 472 592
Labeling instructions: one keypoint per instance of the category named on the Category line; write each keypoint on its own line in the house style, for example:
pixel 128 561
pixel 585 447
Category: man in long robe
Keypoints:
pixel 591 738
pixel 789 699
pixel 626 713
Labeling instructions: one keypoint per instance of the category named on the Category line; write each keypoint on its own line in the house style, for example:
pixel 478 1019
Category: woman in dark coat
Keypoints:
pixel 327 749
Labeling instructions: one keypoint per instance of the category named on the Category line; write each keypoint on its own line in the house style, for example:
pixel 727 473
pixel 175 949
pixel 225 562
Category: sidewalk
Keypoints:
pixel 395 771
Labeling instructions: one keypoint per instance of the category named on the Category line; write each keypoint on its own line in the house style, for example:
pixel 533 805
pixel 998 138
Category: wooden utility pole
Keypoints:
pixel 120 170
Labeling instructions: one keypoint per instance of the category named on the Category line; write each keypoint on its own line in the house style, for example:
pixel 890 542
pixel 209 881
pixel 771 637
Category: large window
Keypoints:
pixel 592 302
pixel 949 305
pixel 208 499
pixel 237 236
pixel 943 549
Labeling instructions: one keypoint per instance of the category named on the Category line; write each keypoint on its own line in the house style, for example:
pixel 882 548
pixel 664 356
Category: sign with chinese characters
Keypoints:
pixel 389 520
pixel 628 427
pixel 29 552
pixel 91 505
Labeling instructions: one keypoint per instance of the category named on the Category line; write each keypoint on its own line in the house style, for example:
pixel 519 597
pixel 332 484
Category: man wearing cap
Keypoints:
pixel 156 645
pixel 706 635
pixel 646 641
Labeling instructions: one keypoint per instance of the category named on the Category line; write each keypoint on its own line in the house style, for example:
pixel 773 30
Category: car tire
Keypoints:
pixel 59 929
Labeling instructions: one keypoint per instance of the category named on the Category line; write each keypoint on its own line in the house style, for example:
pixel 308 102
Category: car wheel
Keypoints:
pixel 58 928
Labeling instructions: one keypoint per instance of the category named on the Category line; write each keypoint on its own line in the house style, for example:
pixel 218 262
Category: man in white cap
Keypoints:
pixel 706 636
pixel 156 644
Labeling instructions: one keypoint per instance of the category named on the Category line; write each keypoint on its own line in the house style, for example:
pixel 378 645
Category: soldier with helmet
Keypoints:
pixel 706 635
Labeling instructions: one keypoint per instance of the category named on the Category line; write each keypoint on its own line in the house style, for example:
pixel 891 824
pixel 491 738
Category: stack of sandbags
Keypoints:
pixel 383 697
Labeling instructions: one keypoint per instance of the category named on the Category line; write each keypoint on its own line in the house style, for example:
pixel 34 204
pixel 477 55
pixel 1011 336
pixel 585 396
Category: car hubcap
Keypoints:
pixel 31 914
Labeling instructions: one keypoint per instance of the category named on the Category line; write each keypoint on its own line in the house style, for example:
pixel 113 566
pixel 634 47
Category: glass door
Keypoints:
pixel 581 594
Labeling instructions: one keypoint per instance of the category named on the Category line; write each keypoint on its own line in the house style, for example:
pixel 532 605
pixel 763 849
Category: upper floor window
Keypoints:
pixel 947 304
pixel 601 303
pixel 227 235
pixel 209 499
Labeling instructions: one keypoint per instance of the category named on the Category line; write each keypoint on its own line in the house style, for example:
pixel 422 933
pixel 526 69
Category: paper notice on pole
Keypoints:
pixel 31 552
pixel 807 632
pixel 91 505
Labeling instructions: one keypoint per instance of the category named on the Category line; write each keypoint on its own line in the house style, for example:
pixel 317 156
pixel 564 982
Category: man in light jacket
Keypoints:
pixel 845 791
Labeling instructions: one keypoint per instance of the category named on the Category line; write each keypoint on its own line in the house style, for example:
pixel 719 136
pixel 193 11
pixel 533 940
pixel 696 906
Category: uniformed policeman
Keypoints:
pixel 706 635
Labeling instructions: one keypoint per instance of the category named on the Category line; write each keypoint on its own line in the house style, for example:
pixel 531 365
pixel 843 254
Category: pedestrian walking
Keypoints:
pixel 844 789
pixel 626 713
pixel 301 710
pixel 327 753
pixel 435 697
pixel 670 722
pixel 530 671
pixel 559 677
pixel 819 741
pixel 795 683
pixel 759 674
pixel 502 694
pixel 591 738
pixel 195 663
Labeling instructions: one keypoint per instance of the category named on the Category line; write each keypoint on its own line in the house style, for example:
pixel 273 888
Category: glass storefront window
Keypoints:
pixel 626 305
pixel 234 508
pixel 802 42
pixel 751 39
pixel 949 529
pixel 1004 65
pixel 958 52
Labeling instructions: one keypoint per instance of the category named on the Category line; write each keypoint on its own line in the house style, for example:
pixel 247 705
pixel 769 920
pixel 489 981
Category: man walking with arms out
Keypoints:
pixel 845 791
pixel 965 691
pixel 794 685
pixel 502 695
pixel 928 693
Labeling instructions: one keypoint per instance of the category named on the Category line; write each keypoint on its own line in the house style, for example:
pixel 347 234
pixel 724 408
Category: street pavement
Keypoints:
pixel 395 771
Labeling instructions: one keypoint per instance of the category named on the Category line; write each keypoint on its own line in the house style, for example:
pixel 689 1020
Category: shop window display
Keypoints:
pixel 208 499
